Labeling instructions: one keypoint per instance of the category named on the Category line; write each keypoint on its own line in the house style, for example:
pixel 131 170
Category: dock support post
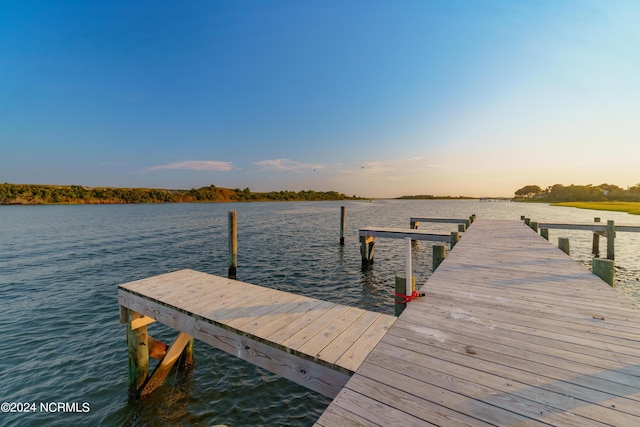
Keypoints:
pixel 455 236
pixel 534 226
pixel 408 262
pixel 343 223
pixel 439 254
pixel 367 246
pixel 563 244
pixel 414 226
pixel 544 232
pixel 604 269
pixel 462 228
pixel 527 221
pixel 595 246
pixel 186 358
pixel 405 285
pixel 521 217
pixel 611 235
pixel 233 245
pixel 138 350
pixel 401 289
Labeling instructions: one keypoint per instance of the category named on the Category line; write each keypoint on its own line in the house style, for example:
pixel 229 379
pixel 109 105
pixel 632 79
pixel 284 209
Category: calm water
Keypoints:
pixel 60 340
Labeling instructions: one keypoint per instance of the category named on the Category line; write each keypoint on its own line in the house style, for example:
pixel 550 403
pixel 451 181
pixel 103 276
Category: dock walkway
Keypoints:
pixel 315 343
pixel 511 332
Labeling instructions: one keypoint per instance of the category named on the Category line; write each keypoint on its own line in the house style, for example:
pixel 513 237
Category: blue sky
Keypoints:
pixel 374 98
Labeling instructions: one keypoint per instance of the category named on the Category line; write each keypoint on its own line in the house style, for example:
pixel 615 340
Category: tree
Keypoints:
pixel 528 191
pixel 611 188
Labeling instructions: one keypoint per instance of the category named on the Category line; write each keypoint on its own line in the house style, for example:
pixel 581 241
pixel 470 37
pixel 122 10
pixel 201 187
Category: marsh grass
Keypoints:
pixel 629 207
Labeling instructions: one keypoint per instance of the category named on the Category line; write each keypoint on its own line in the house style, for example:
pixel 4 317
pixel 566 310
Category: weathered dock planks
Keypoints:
pixel 512 331
pixel 315 343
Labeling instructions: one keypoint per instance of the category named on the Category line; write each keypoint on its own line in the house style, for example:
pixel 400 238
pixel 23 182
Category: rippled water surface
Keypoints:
pixel 61 340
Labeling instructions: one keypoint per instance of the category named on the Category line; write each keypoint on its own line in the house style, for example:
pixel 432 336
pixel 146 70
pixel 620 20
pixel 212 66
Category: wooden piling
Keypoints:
pixel 138 351
pixel 611 235
pixel 439 254
pixel 367 246
pixel 595 246
pixel 563 244
pixel 401 289
pixel 521 217
pixel 455 237
pixel 124 315
pixel 343 223
pixel 527 221
pixel 186 358
pixel 534 226
pixel 544 232
pixel 414 226
pixel 604 269
pixel 233 245
pixel 462 228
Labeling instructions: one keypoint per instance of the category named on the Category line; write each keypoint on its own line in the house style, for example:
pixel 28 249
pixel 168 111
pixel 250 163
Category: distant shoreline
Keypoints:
pixel 49 194
pixel 38 194
pixel 429 197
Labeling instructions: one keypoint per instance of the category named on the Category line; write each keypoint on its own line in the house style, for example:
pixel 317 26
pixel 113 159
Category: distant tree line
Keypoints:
pixel 76 194
pixel 247 195
pixel 579 193
pixel 431 197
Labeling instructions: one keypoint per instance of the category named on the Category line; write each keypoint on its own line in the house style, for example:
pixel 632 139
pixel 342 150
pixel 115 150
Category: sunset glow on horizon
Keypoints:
pixel 376 99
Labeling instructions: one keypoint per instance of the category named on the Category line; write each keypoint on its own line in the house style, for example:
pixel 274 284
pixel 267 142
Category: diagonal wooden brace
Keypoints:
pixel 162 370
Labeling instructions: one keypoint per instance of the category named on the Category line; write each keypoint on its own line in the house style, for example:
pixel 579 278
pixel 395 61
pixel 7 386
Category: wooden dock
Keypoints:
pixel 402 233
pixel 317 344
pixel 609 230
pixel 414 221
pixel 591 226
pixel 512 332
pixel 369 234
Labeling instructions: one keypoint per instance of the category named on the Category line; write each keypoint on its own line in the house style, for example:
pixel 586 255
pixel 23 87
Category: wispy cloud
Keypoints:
pixel 287 165
pixel 196 165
